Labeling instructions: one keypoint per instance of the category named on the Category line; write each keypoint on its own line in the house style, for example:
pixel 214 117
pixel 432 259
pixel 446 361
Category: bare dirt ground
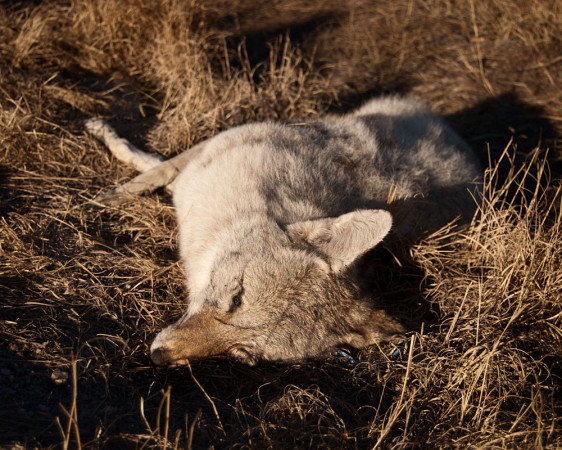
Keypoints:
pixel 83 290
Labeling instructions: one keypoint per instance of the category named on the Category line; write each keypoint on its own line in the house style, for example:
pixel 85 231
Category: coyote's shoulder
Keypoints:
pixel 272 216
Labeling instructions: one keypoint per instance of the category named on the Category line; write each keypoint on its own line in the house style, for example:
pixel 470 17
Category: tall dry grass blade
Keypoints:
pixel 167 417
pixel 192 429
pixel 207 397
pixel 401 405
pixel 476 39
pixel 456 318
pixel 72 415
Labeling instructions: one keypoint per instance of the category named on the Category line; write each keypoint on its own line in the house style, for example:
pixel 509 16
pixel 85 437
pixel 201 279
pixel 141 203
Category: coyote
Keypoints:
pixel 273 218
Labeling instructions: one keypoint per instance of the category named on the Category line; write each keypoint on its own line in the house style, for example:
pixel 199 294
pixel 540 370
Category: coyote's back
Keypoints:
pixel 273 216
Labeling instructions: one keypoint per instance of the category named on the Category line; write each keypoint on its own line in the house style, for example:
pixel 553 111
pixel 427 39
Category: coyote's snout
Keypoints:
pixel 273 216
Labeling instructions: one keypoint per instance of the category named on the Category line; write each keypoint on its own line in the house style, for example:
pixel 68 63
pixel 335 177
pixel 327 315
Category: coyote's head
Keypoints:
pixel 291 299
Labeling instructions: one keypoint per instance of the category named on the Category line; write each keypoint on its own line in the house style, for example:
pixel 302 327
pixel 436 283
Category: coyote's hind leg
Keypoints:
pixel 122 149
pixel 156 172
pixel 161 175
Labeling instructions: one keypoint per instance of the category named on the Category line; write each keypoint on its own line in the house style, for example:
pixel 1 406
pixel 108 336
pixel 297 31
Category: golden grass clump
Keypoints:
pixel 506 268
pixel 498 286
pixel 83 290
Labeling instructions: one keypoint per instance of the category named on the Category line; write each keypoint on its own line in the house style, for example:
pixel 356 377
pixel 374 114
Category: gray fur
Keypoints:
pixel 274 215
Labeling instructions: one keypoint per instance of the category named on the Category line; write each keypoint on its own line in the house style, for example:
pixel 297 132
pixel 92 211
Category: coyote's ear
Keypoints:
pixel 345 238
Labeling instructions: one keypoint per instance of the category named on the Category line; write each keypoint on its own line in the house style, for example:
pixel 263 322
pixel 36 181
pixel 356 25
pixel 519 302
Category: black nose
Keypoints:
pixel 158 356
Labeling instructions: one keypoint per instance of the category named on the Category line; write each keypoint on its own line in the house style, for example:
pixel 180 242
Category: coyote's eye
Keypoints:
pixel 236 302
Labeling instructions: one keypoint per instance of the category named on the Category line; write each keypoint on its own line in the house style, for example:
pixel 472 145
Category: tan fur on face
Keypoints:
pixel 205 335
pixel 328 323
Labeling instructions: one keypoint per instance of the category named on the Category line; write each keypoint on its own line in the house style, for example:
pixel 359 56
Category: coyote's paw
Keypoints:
pixel 111 198
pixel 96 127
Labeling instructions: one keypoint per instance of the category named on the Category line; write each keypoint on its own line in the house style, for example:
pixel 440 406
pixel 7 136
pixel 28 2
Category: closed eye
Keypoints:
pixel 235 303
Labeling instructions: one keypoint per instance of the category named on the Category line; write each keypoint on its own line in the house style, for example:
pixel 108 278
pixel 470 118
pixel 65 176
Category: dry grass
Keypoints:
pixel 84 291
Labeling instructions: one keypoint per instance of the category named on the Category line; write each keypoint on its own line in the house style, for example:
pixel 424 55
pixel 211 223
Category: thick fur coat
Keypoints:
pixel 273 216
